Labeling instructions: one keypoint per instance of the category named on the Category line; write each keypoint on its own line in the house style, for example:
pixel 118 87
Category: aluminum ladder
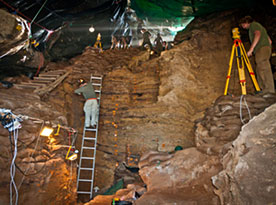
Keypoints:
pixel 86 168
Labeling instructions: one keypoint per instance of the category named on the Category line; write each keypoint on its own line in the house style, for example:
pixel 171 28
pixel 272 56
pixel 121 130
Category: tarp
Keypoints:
pixel 112 190
pixel 157 9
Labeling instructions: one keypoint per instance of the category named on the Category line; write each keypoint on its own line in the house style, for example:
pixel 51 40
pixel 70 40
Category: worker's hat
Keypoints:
pixel 81 81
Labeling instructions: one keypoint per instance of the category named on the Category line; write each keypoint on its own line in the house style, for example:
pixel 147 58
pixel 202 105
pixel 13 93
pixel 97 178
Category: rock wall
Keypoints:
pixel 13 32
pixel 147 104
pixel 248 175
pixel 42 175
pixel 16 51
pixel 222 121
pixel 150 103
pixel 182 177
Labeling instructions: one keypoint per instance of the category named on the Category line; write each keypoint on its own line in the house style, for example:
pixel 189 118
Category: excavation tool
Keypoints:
pixel 87 160
pixel 242 59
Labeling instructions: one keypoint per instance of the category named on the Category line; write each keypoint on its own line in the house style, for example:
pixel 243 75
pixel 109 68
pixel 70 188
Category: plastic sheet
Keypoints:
pixel 156 9
pixel 109 17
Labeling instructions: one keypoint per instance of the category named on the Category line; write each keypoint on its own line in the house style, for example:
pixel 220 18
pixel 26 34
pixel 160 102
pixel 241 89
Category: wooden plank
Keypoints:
pixel 54 72
pixel 31 83
pixel 47 79
pixel 45 75
pixel 25 86
pixel 41 81
pixel 57 71
pixel 53 85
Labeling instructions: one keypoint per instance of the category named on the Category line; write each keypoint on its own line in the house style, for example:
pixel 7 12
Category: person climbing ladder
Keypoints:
pixel 91 104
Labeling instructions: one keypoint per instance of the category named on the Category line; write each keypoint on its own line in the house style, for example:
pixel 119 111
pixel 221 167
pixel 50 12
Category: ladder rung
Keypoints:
pixel 83 192
pixel 89 138
pixel 44 78
pixel 96 84
pixel 48 75
pixel 86 168
pixel 88 147
pixel 26 86
pixel 93 77
pixel 90 129
pixel 88 158
pixel 97 91
pixel 40 81
pixel 31 83
pixel 85 180
pixel 52 72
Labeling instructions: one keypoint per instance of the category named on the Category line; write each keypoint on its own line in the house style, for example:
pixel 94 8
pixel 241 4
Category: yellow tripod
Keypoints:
pixel 242 59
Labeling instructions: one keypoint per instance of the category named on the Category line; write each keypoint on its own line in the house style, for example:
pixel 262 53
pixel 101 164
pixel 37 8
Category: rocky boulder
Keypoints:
pixel 167 175
pixel 42 174
pixel 223 120
pixel 178 170
pixel 248 175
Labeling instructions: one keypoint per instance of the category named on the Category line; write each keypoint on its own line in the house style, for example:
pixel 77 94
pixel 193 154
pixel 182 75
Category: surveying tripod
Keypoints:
pixel 242 59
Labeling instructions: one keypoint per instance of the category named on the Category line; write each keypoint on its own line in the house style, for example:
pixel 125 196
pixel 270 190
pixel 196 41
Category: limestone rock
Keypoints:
pixel 248 175
pixel 223 120
pixel 180 171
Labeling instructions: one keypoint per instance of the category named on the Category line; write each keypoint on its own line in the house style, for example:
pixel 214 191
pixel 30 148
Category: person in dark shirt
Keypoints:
pixel 261 47
pixel 146 38
pixel 158 44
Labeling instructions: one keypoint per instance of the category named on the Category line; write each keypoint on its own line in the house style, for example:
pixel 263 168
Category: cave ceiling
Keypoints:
pixel 111 17
pixel 152 9
pixel 53 14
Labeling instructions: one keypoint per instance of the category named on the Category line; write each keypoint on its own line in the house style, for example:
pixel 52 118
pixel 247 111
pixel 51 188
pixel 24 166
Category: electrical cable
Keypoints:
pixel 5 116
pixel 12 168
pixel 69 136
pixel 71 173
pixel 248 110
pixel 19 169
pixel 41 62
pixel 31 156
pixel 14 165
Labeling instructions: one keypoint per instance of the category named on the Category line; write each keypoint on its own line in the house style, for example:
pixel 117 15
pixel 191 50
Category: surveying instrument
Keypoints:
pixel 242 59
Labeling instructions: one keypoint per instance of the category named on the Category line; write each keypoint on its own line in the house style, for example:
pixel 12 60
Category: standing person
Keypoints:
pixel 261 47
pixel 114 42
pixel 98 43
pixel 146 38
pixel 91 104
pixel 129 41
pixel 158 43
pixel 124 43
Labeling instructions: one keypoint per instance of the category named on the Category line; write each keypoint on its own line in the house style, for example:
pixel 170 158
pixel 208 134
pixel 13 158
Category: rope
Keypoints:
pixel 38 12
pixel 248 110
